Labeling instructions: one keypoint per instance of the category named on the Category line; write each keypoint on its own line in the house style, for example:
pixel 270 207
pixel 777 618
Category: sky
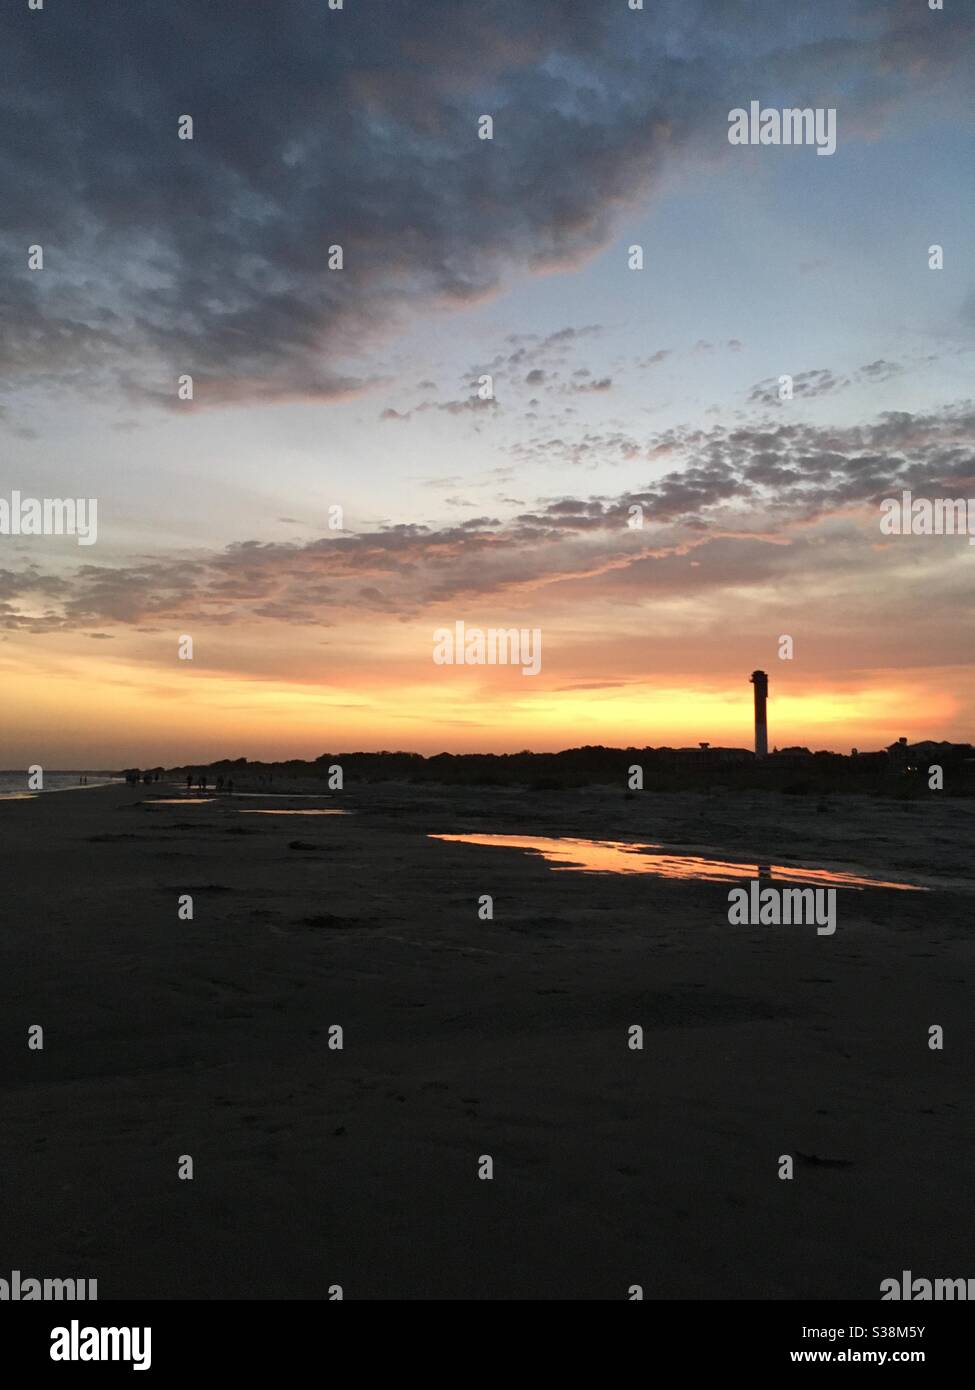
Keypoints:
pixel 338 488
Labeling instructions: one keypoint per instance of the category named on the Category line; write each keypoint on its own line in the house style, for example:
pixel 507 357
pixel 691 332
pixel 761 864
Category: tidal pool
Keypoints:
pixel 622 857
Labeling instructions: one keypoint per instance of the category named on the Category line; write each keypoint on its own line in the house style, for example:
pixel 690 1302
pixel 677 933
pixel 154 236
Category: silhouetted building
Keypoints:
pixel 703 755
pixel 909 757
pixel 792 755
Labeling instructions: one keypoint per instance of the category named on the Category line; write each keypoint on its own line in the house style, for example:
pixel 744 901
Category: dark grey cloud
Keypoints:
pixel 315 127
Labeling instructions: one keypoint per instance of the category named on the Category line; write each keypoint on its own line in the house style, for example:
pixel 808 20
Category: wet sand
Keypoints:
pixel 464 1037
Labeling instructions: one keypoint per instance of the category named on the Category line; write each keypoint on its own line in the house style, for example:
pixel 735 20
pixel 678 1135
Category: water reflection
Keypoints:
pixel 276 812
pixel 621 857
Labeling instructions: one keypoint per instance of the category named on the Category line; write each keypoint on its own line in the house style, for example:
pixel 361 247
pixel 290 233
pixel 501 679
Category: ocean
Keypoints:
pixel 14 784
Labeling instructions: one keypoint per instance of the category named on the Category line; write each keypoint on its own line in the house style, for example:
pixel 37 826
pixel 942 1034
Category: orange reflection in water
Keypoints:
pixel 275 812
pixel 620 857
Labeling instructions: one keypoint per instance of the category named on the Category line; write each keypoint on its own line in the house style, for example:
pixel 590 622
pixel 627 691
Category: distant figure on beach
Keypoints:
pixel 230 785
pixel 189 781
pixel 219 784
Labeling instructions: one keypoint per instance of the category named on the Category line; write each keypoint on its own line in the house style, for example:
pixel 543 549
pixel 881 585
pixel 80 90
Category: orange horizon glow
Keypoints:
pixel 133 715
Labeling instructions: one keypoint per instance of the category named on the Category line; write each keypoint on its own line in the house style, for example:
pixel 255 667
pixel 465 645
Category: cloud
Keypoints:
pixel 878 371
pixel 476 404
pixel 603 384
pixel 822 382
pixel 809 385
pixel 735 499
pixel 655 359
pixel 316 128
pixel 471 404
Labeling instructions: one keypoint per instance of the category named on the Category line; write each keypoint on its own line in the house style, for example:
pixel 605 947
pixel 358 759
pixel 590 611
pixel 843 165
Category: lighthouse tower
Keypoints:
pixel 759 680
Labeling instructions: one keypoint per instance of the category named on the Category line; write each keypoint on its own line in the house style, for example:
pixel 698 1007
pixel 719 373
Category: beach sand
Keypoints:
pixel 315 1167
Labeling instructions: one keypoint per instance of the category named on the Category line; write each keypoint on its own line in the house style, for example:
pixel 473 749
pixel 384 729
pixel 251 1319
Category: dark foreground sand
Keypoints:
pixel 612 1167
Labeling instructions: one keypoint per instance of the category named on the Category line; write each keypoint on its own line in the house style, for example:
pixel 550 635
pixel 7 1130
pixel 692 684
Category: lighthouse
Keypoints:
pixel 759 680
